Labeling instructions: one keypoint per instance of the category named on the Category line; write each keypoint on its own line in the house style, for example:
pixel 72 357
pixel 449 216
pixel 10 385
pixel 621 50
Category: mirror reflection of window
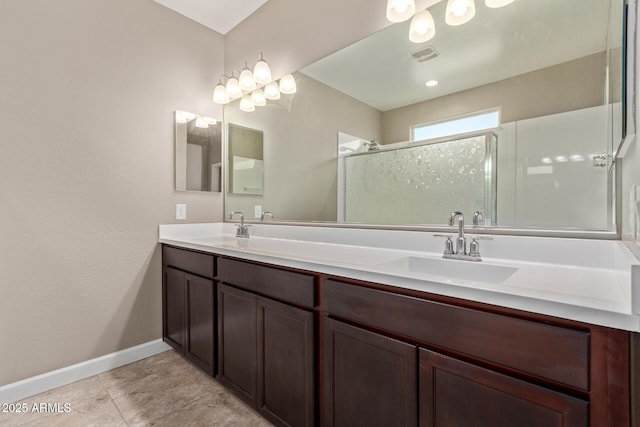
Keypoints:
pixel 198 153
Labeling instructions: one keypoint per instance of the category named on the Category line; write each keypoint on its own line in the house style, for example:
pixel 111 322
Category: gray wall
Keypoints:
pixel 87 95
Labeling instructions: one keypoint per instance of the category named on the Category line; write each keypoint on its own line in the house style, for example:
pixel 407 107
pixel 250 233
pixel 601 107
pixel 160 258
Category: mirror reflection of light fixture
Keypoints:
pixel 272 91
pixel 184 116
pixel 459 12
pixel 246 81
pixel 497 3
pixel 201 123
pixel 288 85
pixel 210 121
pixel 422 27
pixel 258 99
pixel 400 10
pixel 233 87
pixel 246 104
pixel 261 71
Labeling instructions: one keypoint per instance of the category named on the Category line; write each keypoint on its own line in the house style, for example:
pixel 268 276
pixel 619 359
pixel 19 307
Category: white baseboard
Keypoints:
pixel 50 380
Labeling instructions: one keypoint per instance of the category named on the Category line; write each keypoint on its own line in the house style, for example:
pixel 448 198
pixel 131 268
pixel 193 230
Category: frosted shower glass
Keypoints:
pixel 422 184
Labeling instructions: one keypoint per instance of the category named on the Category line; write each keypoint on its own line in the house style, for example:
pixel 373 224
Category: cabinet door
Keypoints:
pixel 369 379
pixel 173 304
pixel 456 393
pixel 200 321
pixel 237 341
pixel 285 367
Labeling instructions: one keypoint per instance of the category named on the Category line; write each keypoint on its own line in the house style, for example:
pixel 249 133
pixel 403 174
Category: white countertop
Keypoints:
pixel 592 281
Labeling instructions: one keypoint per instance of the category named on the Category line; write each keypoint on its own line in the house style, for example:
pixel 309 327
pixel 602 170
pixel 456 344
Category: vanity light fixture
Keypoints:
pixel 400 10
pixel 246 104
pixel 459 12
pixel 210 121
pixel 258 99
pixel 422 27
pixel 253 87
pixel 246 81
pixel 272 91
pixel 233 87
pixel 288 85
pixel 497 3
pixel 220 95
pixel 261 71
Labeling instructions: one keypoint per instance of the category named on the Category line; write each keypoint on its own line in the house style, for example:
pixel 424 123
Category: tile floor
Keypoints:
pixel 163 390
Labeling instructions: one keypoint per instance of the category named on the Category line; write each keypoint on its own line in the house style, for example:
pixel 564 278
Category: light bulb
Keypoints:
pixel 258 99
pixel 431 83
pixel 262 72
pixel 459 12
pixel 210 121
pixel 220 95
pixel 422 27
pixel 246 104
pixel 400 10
pixel 288 84
pixel 246 81
pixel 272 91
pixel 201 123
pixel 233 88
pixel 497 3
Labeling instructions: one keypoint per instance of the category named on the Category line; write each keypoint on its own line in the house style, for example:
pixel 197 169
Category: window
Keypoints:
pixel 470 123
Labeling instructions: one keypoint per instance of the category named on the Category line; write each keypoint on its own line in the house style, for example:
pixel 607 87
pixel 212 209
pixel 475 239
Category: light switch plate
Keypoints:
pixel 181 211
pixel 257 211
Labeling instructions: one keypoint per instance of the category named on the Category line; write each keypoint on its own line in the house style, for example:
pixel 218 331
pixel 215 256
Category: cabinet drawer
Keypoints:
pixel 546 351
pixel 193 262
pixel 284 285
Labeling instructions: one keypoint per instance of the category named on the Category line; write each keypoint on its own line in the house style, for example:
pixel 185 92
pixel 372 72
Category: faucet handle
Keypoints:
pixel 448 244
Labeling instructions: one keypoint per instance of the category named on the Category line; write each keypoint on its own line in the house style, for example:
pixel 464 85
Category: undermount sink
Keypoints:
pixel 450 269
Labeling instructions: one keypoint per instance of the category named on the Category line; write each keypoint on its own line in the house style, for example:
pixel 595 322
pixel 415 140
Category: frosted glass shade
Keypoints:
pixel 459 12
pixel 258 99
pixel 400 10
pixel 262 72
pixel 272 91
pixel 233 88
pixel 246 81
pixel 220 95
pixel 497 3
pixel 422 27
pixel 288 84
pixel 246 104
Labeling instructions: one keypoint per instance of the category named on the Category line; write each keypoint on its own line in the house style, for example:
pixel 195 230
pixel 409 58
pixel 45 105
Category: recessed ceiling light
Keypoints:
pixel 431 83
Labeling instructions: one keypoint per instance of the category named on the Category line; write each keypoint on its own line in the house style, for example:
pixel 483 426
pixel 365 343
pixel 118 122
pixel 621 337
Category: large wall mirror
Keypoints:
pixel 527 111
pixel 198 153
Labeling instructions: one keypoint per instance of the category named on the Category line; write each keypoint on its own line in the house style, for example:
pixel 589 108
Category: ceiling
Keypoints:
pixel 496 44
pixel 219 15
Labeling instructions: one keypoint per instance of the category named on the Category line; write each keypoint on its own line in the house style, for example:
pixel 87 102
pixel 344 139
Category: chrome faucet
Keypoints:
pixel 265 213
pixel 242 230
pixel 461 241
pixel 460 250
pixel 478 218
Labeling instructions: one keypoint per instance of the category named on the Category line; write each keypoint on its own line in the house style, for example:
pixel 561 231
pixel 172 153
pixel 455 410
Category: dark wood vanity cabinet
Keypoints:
pixel 437 364
pixel 456 393
pixel 369 379
pixel 266 351
pixel 305 349
pixel 188 302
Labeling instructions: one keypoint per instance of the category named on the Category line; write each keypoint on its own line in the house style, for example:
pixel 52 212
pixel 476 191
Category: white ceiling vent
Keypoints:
pixel 425 54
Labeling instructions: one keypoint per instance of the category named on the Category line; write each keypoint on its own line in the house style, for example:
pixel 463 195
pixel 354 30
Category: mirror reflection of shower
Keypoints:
pixel 347 145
